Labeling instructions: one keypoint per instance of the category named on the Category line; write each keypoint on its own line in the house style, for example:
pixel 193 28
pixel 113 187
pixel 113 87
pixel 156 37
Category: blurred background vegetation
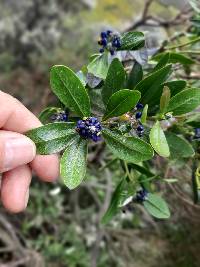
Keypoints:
pixel 62 228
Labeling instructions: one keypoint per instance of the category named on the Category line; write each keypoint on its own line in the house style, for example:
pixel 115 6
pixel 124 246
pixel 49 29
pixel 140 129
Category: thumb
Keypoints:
pixel 15 150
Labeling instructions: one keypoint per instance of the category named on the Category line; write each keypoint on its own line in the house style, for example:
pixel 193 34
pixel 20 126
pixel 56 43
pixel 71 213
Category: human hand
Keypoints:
pixel 18 154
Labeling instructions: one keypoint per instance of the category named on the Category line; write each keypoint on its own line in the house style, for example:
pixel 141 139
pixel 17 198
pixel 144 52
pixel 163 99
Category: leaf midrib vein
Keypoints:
pixel 117 107
pixel 119 141
pixel 69 92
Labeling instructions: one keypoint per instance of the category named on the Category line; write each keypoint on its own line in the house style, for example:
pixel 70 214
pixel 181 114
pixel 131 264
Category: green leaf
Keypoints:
pixel 178 146
pixel 158 140
pixel 135 76
pixel 195 5
pixel 121 102
pixel 53 137
pixel 149 86
pixel 163 61
pixel 196 22
pixel 194 120
pixel 92 57
pixel 175 58
pixel 73 163
pixel 114 80
pixel 141 169
pixel 157 206
pixel 114 203
pixel 145 182
pixel 46 114
pixel 131 149
pixel 164 100
pixel 99 66
pixel 184 102
pixel 132 41
pixel 97 106
pixel 144 114
pixel 170 180
pixel 174 86
pixel 70 90
pixel 82 77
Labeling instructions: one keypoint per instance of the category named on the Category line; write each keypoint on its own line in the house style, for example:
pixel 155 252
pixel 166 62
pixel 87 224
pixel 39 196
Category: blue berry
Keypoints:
pixel 138 115
pixel 141 195
pixel 64 116
pixel 112 52
pixel 197 133
pixel 116 43
pixel 101 50
pixel 60 116
pixel 140 128
pixel 103 35
pixel 108 33
pixel 139 106
pixel 109 41
pixel 89 128
pixel 104 42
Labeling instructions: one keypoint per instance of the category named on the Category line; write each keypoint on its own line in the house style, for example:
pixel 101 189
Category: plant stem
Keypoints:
pixel 185 44
pixel 190 52
pixel 127 170
pixel 108 164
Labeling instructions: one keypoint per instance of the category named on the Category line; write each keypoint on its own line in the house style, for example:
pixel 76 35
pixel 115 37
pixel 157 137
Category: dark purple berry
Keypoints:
pixel 112 52
pixel 108 33
pixel 60 116
pixel 139 106
pixel 140 128
pixel 104 42
pixel 138 115
pixel 89 128
pixel 197 133
pixel 54 117
pixel 103 35
pixel 141 195
pixel 64 117
pixel 116 43
pixel 101 50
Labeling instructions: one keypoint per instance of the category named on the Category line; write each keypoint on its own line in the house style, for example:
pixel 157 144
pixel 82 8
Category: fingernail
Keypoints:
pixel 26 199
pixel 18 151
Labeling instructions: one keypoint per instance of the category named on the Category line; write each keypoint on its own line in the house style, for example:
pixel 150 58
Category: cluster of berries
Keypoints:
pixel 197 133
pixel 60 116
pixel 109 41
pixel 141 195
pixel 138 115
pixel 89 128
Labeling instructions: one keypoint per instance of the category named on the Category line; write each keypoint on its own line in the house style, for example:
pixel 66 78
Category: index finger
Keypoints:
pixel 17 118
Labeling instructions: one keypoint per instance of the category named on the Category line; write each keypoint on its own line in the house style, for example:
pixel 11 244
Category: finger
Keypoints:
pixel 15 150
pixel 15 188
pixel 46 167
pixel 15 117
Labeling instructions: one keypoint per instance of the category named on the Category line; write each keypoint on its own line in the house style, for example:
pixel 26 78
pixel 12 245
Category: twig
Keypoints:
pixel 16 263
pixel 100 231
pixel 185 44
